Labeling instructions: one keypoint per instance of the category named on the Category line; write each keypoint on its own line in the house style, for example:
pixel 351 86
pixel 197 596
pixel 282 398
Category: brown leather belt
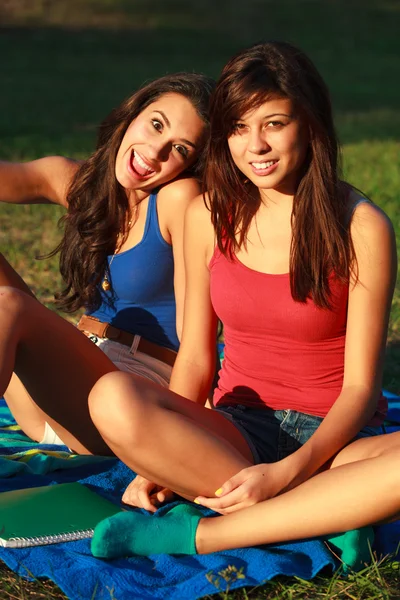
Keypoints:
pixel 105 330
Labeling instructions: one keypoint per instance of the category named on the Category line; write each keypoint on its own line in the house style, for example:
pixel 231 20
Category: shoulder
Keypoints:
pixel 198 211
pixel 199 229
pixel 173 201
pixel 368 220
pixel 179 192
pixel 53 175
pixel 373 235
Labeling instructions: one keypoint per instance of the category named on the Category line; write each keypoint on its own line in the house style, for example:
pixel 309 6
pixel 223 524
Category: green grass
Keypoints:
pixel 66 64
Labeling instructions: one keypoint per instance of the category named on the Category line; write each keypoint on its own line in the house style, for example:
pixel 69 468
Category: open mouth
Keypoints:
pixel 139 165
pixel 262 166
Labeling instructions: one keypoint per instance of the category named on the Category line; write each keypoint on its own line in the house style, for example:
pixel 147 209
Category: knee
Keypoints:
pixel 13 302
pixel 392 457
pixel 116 405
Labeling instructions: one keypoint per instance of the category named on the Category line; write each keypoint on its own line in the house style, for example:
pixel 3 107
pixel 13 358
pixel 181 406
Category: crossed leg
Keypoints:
pixel 166 438
pixel 361 488
pixel 351 495
pixel 191 450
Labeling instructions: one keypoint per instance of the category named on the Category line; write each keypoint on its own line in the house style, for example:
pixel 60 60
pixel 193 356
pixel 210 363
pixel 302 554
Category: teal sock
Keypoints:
pixel 353 547
pixel 130 533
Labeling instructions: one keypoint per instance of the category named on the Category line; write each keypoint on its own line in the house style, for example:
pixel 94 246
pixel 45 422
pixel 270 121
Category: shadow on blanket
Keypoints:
pixel 72 567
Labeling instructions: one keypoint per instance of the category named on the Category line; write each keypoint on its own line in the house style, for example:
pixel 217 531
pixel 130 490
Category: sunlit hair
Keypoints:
pixel 98 207
pixel 321 243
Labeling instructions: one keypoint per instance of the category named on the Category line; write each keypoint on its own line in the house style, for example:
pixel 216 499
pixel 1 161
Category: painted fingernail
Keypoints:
pixel 196 501
pixel 218 492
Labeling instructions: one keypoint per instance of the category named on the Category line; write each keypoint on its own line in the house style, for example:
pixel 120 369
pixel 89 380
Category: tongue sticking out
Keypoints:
pixel 138 167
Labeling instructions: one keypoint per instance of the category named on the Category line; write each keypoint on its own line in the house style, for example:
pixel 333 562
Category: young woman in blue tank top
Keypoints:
pixel 121 258
pixel 275 207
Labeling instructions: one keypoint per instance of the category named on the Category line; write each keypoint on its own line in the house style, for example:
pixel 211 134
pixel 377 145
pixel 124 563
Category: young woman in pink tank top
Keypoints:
pixel 301 271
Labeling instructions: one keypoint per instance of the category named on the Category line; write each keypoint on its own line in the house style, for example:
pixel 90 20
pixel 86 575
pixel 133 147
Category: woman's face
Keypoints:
pixel 159 144
pixel 269 145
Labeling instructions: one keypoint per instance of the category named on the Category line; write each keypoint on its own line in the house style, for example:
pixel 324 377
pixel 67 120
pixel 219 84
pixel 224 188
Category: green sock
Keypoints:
pixel 130 533
pixel 353 547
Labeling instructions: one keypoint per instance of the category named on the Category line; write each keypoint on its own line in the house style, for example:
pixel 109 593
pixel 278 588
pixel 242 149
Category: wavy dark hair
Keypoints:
pixel 321 242
pixel 98 207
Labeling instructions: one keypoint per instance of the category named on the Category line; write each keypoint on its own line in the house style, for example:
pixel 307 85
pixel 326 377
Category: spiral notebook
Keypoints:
pixel 51 514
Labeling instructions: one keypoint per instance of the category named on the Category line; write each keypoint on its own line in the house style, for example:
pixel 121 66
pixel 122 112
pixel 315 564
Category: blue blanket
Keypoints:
pixel 81 576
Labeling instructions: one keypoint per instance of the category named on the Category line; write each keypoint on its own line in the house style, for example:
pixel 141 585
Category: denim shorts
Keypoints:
pixel 274 434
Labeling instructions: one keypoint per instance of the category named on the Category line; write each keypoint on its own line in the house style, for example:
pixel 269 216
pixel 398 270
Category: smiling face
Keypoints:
pixel 159 144
pixel 269 145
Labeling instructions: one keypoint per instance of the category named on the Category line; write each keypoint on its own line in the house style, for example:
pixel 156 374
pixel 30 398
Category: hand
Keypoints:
pixel 145 494
pixel 249 486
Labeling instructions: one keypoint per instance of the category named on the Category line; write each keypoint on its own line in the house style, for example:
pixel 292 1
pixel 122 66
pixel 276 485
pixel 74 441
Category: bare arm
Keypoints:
pixel 174 200
pixel 369 306
pixel 195 364
pixel 41 181
pixel 194 367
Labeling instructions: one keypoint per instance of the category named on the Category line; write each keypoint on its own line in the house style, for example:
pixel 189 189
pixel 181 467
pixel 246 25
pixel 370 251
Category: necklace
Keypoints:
pixel 105 284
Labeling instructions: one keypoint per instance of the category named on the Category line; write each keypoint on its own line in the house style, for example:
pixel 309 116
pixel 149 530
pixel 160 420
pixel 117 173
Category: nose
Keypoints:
pixel 258 143
pixel 160 150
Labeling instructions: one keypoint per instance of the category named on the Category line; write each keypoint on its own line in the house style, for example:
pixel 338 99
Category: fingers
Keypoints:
pixel 145 501
pixel 226 505
pixel 138 493
pixel 165 495
pixel 229 493
pixel 232 483
pixel 145 494
pixel 236 497
pixel 242 490
pixel 232 509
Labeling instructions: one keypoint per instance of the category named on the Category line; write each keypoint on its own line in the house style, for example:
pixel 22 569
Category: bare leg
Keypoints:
pixel 166 438
pixel 57 365
pixel 25 411
pixel 18 400
pixel 349 496
pixel 370 447
pixel 339 499
pixel 8 276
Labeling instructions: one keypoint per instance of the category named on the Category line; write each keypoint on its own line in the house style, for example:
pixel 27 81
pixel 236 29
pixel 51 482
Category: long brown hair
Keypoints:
pixel 98 207
pixel 320 235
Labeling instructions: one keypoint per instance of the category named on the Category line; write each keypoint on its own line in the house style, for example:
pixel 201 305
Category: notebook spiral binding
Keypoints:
pixel 20 542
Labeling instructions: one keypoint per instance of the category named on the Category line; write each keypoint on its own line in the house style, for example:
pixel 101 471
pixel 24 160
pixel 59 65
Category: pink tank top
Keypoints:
pixel 278 353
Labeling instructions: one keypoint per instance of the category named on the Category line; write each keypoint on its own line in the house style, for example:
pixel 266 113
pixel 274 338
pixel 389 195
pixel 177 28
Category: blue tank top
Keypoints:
pixel 143 283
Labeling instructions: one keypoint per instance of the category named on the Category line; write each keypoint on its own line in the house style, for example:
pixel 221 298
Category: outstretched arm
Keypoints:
pixel 41 181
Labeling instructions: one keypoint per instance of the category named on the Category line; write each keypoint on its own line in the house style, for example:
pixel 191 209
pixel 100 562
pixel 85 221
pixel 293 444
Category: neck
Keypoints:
pixel 135 197
pixel 275 199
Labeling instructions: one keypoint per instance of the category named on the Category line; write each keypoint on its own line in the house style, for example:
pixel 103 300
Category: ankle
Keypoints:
pixel 207 538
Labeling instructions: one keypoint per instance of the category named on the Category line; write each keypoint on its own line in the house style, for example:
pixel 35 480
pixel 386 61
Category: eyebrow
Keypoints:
pixel 278 115
pixel 167 122
pixel 289 116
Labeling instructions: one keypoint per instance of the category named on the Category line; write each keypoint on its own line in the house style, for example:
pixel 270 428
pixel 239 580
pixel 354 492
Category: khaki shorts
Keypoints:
pixel 127 360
